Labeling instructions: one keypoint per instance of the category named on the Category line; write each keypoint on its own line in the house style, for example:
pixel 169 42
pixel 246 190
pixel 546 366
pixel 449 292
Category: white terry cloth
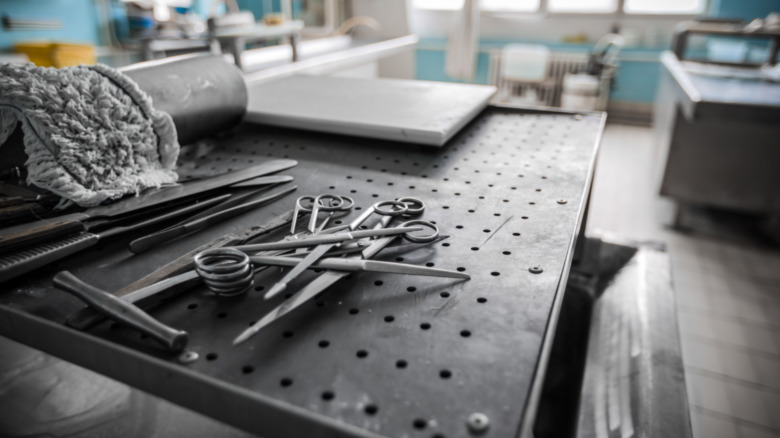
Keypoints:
pixel 90 133
pixel 463 44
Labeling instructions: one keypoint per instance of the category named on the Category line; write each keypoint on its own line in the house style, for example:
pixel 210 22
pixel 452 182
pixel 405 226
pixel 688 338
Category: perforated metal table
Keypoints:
pixel 376 354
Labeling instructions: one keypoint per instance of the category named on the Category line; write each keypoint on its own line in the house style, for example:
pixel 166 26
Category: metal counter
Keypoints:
pixel 404 356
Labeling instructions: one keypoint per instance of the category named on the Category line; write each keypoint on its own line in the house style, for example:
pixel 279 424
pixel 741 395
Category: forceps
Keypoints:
pixel 388 209
pixel 325 202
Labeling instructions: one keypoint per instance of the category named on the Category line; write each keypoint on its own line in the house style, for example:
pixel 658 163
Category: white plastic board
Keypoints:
pixel 410 111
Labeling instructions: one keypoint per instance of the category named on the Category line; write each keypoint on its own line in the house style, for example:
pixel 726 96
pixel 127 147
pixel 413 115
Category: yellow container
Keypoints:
pixel 47 54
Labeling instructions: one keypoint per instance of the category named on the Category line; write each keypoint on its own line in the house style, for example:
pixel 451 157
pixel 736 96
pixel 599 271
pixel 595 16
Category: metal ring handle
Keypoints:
pixel 421 239
pixel 335 203
pixel 348 206
pixel 299 202
pixel 410 203
pixel 396 208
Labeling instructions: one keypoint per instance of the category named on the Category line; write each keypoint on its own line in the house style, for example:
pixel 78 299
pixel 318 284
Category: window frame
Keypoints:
pixel 543 11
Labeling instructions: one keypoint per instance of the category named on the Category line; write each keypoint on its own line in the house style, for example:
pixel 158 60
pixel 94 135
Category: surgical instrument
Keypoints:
pixel 23 261
pixel 121 311
pixel 305 242
pixel 144 244
pixel 397 208
pixel 334 203
pixel 339 264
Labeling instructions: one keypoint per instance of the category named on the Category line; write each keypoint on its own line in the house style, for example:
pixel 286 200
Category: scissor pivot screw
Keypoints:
pixel 535 270
pixel 188 357
pixel 562 201
pixel 478 423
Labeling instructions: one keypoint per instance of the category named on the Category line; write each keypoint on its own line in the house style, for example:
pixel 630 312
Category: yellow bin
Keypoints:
pixel 48 54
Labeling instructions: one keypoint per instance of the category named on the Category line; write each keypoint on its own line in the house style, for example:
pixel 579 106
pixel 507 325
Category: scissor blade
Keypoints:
pixel 361 265
pixel 302 265
pixel 319 284
pixel 319 239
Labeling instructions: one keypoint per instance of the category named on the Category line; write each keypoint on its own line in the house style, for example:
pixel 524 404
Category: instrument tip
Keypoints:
pixel 275 290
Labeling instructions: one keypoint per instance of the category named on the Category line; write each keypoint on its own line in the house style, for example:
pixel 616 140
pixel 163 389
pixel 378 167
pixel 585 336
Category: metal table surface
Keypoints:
pixel 403 356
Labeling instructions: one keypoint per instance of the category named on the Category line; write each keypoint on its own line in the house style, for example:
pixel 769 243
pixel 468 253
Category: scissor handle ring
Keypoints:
pixel 308 198
pixel 421 239
pixel 348 206
pixel 410 202
pixel 396 208
pixel 335 204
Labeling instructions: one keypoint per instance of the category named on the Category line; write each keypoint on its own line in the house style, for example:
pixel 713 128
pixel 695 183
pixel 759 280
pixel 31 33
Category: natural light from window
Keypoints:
pixel 663 6
pixel 438 4
pixel 651 7
pixel 590 6
pixel 510 5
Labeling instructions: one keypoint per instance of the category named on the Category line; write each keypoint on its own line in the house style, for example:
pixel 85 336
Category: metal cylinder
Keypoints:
pixel 204 94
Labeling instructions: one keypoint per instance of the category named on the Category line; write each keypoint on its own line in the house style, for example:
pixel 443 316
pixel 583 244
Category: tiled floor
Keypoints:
pixel 728 294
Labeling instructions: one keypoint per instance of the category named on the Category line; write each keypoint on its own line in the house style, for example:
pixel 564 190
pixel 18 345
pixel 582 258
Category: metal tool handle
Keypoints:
pixel 18 263
pixel 121 311
pixel 19 236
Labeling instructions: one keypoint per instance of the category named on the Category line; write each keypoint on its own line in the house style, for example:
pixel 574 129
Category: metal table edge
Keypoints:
pixel 275 419
pixel 525 428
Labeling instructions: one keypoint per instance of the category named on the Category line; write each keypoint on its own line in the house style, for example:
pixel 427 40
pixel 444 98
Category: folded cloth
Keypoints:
pixel 90 134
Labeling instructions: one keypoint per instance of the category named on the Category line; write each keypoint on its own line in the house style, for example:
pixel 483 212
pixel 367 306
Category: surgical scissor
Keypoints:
pixel 316 204
pixel 388 209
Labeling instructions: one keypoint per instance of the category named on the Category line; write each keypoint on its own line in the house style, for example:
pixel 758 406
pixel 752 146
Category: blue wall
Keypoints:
pixel 637 77
pixel 79 20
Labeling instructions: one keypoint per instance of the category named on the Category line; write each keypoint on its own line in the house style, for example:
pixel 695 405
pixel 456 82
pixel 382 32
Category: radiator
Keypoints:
pixel 548 92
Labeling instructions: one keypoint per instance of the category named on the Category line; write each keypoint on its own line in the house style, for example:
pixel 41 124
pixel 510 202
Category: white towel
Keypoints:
pixel 90 134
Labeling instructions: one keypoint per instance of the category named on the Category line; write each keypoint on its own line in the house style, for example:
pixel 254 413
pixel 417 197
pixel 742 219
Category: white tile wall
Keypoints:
pixel 728 294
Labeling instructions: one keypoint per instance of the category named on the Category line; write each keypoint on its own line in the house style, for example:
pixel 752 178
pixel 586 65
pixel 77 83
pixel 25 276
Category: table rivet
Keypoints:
pixel 478 423
pixel 535 270
pixel 188 357
pixel 562 201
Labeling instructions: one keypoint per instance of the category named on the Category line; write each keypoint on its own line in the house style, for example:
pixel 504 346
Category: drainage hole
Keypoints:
pixel 222 315
pixel 328 395
pixel 247 369
pixel 465 333
pixel 353 311
pixel 212 356
pixel 482 300
pixel 389 318
pixel 419 423
pixel 425 326
pixel 445 374
pixel 445 294
pixel 378 283
pixel 411 289
pixel 371 409
pixel 401 364
pixel 495 274
pixel 362 354
pixel 323 343
pixel 193 306
pixel 286 382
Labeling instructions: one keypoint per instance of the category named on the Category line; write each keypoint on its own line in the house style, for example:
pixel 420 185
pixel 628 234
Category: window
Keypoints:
pixel 663 6
pixel 591 6
pixel 509 5
pixel 438 4
pixel 651 7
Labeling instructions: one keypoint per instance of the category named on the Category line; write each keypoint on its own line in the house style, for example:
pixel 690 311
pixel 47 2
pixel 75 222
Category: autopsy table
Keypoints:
pixel 403 356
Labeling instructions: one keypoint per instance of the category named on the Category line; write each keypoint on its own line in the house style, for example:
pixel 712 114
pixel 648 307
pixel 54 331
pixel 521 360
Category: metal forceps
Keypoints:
pixel 316 204
pixel 388 209
pixel 359 261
